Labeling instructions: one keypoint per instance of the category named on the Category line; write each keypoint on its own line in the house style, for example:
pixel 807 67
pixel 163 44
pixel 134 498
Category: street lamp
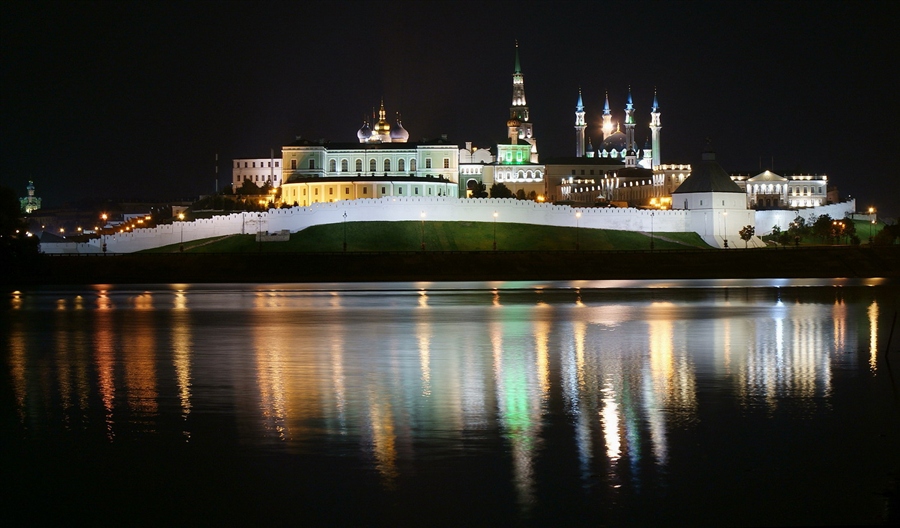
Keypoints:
pixel 495 230
pixel 103 247
pixel 871 223
pixel 345 231
pixel 181 218
pixel 651 229
pixel 577 217
pixel 725 228
pixel 423 230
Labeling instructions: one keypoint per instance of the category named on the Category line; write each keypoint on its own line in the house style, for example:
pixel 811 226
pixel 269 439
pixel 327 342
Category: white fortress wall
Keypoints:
pixel 390 209
pixel 765 220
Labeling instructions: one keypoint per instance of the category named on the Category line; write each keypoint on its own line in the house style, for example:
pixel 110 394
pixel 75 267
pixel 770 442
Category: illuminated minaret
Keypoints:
pixel 629 122
pixel 607 118
pixel 519 125
pixel 655 127
pixel 579 127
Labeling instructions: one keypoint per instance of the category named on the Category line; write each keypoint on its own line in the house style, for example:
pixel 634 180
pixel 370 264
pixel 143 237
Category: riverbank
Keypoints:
pixel 811 262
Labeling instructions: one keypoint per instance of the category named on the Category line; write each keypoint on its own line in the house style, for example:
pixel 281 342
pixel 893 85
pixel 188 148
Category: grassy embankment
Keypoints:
pixel 442 236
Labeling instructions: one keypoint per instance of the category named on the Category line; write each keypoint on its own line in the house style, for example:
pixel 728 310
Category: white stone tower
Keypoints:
pixel 655 127
pixel 607 118
pixel 579 127
pixel 629 122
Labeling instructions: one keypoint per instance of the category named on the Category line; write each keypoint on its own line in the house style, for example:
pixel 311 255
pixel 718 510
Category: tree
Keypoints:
pixel 520 194
pixel 477 189
pixel 823 227
pixel 248 188
pixel 499 190
pixel 747 233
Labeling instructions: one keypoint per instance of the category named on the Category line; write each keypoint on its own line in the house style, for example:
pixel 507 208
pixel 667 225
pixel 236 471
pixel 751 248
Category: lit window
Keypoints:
pixel 401 165
pixel 446 163
pixel 372 165
pixel 428 163
pixel 412 165
pixel 387 165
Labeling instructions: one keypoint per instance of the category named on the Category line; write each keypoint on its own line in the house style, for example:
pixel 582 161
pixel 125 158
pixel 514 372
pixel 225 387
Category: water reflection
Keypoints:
pixel 399 377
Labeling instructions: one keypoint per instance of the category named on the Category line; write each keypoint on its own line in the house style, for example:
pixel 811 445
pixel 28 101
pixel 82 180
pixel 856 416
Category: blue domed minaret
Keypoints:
pixel 655 127
pixel 629 122
pixel 579 127
pixel 607 118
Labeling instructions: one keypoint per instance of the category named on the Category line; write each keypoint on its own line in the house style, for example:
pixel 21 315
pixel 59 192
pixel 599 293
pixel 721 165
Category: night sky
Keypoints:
pixel 133 100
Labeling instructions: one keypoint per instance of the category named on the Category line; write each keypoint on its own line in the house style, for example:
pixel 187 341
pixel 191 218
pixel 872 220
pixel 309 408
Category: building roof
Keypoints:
pixel 371 146
pixel 708 176
pixel 613 163
pixel 767 176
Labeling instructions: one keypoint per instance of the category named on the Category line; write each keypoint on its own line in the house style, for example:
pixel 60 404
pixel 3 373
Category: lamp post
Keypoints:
pixel 259 231
pixel 423 230
pixel 651 229
pixel 495 230
pixel 725 227
pixel 577 241
pixel 103 246
pixel 181 222
pixel 871 223
pixel 345 231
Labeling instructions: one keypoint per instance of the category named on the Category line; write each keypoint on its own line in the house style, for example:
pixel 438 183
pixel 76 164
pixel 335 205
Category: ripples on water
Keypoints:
pixel 622 402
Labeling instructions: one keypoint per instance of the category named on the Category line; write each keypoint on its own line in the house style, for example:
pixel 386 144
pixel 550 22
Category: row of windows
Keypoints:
pixel 237 164
pixel 256 178
pixel 373 165
pixel 365 191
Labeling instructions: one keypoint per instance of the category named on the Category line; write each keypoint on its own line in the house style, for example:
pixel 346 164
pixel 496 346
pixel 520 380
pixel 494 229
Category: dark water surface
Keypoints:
pixel 596 403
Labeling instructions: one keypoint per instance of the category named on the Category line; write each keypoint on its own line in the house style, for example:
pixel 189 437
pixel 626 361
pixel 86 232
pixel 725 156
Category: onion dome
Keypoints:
pixel 364 132
pixel 382 128
pixel 398 133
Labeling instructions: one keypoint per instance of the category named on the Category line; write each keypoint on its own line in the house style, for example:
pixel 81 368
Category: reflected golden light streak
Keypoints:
pixel 541 338
pixel 181 356
pixel 338 379
pixel 140 366
pixel 384 440
pixel 104 357
pixel 872 312
pixel 63 364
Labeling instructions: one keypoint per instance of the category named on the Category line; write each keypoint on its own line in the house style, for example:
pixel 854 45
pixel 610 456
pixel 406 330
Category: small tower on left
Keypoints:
pixel 30 203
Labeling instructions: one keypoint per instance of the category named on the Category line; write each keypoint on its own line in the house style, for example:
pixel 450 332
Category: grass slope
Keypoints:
pixel 442 236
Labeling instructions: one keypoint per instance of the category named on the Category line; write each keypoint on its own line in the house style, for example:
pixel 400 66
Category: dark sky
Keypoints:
pixel 133 100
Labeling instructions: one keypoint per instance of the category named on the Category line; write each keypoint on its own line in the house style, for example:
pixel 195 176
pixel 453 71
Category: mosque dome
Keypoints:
pixel 399 134
pixel 615 141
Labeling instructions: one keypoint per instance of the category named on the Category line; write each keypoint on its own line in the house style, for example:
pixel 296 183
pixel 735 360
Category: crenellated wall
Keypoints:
pixel 388 210
pixel 766 220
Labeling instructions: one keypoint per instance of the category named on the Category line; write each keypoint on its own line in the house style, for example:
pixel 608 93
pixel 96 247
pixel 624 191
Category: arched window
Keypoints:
pixel 387 165
pixel 332 166
pixel 412 165
pixel 359 165
pixel 344 165
pixel 401 165
pixel 372 166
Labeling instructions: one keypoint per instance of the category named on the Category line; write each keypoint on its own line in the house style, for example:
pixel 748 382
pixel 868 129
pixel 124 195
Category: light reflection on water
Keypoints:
pixel 403 373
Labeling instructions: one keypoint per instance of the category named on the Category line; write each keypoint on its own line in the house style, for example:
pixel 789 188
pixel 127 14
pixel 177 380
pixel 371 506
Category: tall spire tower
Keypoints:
pixel 519 125
pixel 655 127
pixel 607 118
pixel 579 127
pixel 629 122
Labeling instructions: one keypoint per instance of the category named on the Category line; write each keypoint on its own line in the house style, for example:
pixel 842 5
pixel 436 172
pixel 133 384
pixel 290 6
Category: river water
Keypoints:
pixel 609 403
